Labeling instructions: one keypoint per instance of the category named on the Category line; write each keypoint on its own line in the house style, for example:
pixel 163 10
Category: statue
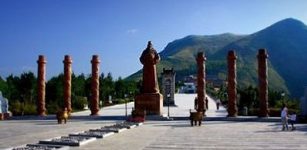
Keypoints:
pixel 149 59
pixel 149 101
pixel 4 106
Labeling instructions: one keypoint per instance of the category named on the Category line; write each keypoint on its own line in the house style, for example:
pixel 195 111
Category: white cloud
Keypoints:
pixel 132 31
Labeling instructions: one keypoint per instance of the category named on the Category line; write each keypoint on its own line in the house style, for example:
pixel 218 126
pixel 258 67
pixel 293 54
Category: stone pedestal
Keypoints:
pixel 95 86
pixel 5 116
pixel 67 83
pixel 232 85
pixel 263 83
pixel 41 85
pixel 152 103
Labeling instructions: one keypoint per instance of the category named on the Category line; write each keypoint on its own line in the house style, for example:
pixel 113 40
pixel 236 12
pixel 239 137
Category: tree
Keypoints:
pixel 54 93
pixel 3 86
pixel 26 86
pixel 107 87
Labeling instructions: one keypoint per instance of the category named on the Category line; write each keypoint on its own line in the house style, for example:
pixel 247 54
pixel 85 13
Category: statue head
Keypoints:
pixel 149 55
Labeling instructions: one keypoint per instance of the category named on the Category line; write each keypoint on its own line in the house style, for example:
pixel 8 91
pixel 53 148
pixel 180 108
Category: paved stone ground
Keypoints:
pixel 176 134
pixel 179 135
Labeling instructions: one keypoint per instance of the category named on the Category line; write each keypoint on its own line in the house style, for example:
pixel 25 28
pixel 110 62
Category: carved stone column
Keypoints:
pixel 67 83
pixel 41 85
pixel 232 84
pixel 201 84
pixel 95 85
pixel 263 82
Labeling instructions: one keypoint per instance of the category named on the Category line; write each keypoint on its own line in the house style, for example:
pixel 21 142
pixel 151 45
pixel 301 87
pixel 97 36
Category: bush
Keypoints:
pixel 29 109
pixel 16 108
pixel 79 102
pixel 52 108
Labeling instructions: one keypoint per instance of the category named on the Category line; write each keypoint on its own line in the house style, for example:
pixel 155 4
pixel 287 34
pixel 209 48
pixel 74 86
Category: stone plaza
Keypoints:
pixel 166 126
pixel 217 131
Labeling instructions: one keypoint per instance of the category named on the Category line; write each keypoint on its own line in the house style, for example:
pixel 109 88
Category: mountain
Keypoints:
pixel 285 41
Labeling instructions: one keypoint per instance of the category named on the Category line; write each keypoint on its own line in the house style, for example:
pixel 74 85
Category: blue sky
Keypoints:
pixel 118 30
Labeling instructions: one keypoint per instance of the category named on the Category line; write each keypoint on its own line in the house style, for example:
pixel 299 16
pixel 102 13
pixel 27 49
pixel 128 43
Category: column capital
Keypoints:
pixel 262 53
pixel 231 55
pixel 95 59
pixel 67 59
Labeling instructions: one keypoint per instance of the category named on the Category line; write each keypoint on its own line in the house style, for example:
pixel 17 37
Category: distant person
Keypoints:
pixel 218 103
pixel 207 103
pixel 292 120
pixel 284 117
pixel 195 103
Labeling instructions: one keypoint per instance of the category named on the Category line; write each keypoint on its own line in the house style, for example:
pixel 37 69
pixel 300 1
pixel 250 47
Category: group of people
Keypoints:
pixel 287 117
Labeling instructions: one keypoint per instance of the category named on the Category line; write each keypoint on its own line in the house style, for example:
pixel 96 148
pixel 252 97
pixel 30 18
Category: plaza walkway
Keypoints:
pixel 157 134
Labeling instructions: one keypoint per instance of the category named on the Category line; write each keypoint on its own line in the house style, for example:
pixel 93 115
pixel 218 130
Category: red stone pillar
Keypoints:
pixel 95 85
pixel 67 83
pixel 41 85
pixel 232 84
pixel 263 83
pixel 201 84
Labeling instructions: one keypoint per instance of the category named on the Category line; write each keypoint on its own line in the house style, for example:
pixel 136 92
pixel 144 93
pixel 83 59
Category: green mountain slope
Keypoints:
pixel 286 42
pixel 180 54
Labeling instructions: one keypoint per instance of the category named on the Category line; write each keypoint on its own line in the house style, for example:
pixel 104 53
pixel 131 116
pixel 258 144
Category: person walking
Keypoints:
pixel 207 103
pixel 218 102
pixel 284 117
pixel 292 120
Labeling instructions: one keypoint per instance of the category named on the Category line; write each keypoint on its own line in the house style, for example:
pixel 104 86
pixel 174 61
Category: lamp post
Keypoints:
pixel 126 104
pixel 283 96
pixel 168 98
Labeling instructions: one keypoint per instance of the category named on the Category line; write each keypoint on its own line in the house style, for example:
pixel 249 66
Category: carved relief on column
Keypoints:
pixel 232 84
pixel 263 82
pixel 95 85
pixel 41 85
pixel 67 83
pixel 201 84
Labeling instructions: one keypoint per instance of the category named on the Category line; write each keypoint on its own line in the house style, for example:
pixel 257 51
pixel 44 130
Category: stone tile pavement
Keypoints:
pixel 157 134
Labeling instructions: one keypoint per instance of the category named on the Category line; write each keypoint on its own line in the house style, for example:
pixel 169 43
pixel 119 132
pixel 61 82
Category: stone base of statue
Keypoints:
pixel 5 116
pixel 151 103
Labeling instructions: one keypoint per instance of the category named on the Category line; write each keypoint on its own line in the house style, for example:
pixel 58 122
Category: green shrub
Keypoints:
pixel 52 108
pixel 16 108
pixel 79 102
pixel 29 109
